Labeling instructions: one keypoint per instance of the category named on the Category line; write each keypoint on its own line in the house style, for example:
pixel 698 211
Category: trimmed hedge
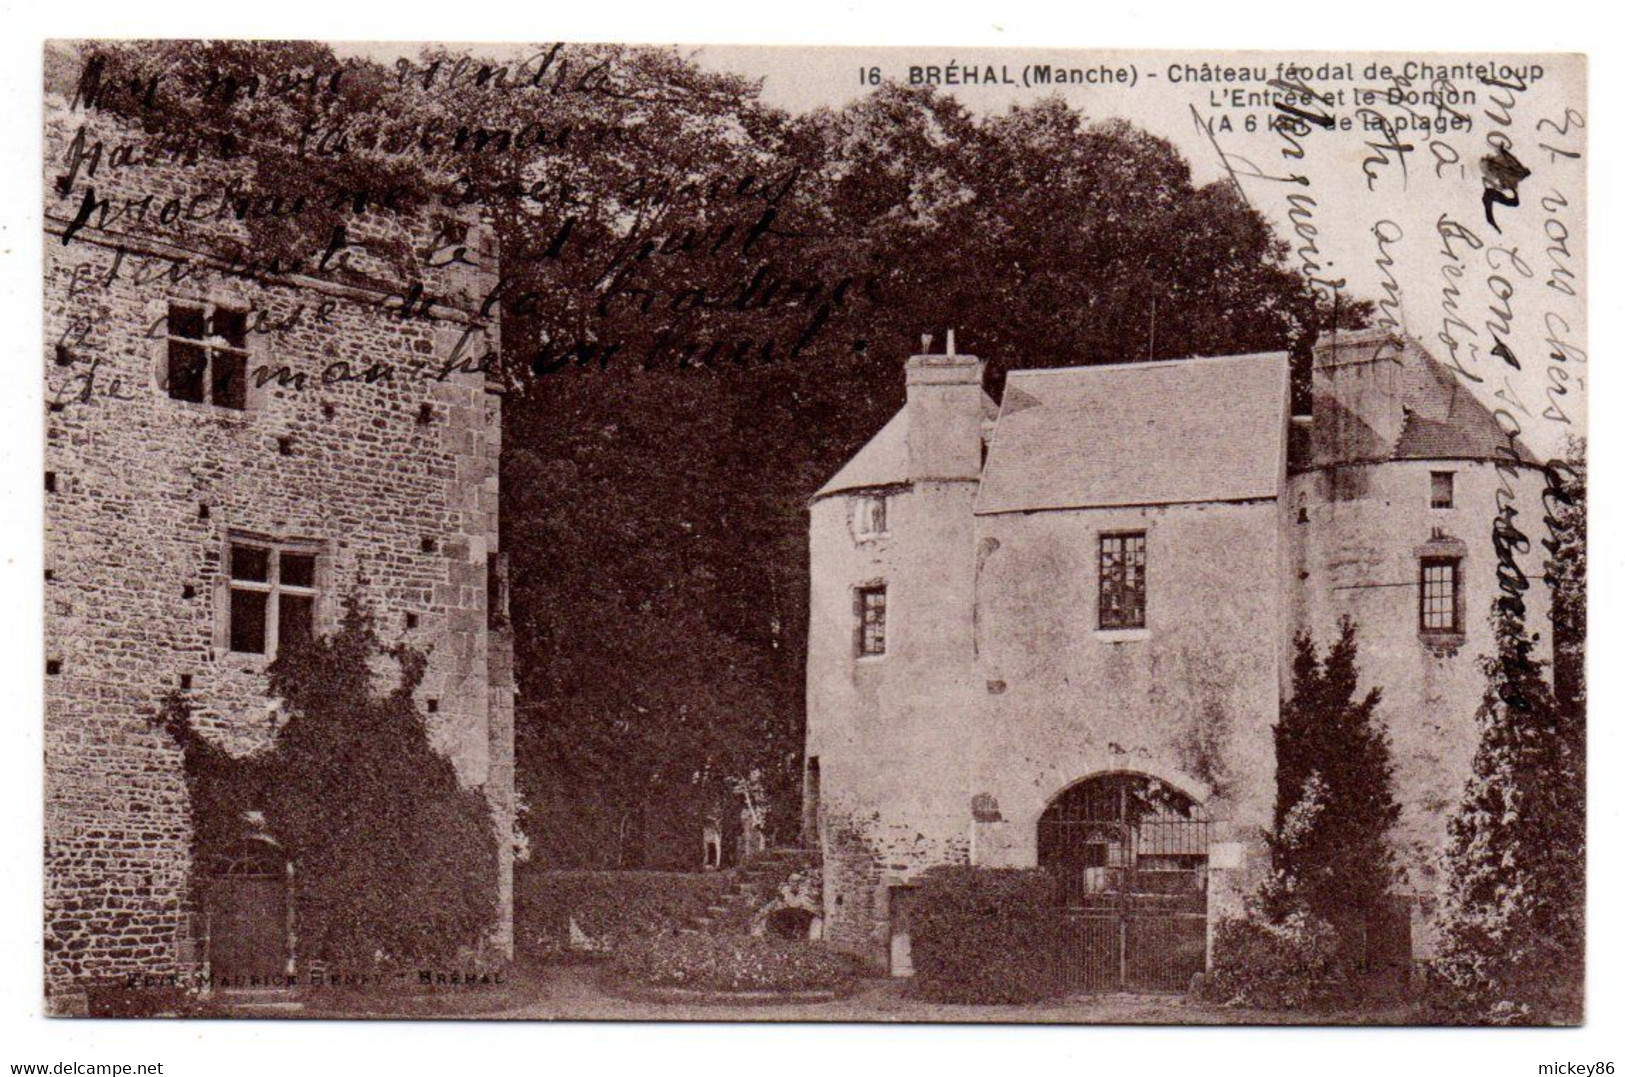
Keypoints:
pixel 737 963
pixel 611 908
pixel 1292 965
pixel 986 935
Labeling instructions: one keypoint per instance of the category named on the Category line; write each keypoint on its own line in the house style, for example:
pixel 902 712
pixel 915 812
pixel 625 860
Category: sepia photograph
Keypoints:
pixel 618 532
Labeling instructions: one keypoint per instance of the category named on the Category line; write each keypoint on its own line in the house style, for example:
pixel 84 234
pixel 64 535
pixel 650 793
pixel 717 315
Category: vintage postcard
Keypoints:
pixel 620 531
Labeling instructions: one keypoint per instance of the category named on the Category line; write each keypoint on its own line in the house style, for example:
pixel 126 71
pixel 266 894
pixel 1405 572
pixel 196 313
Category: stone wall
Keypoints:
pixel 390 479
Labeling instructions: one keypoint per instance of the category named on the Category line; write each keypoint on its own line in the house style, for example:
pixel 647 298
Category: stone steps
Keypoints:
pixel 753 885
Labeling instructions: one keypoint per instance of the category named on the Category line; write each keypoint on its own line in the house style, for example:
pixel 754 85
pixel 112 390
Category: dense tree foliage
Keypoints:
pixel 1334 802
pixel 1512 926
pixel 707 304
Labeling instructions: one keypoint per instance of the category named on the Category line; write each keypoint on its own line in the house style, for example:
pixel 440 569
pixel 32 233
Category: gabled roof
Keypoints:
pixel 884 460
pixel 1166 432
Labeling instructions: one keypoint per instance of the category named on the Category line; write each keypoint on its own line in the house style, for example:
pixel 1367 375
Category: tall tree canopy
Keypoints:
pixel 707 304
pixel 1334 800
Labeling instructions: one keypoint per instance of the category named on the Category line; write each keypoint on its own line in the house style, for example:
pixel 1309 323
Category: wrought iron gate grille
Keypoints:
pixel 1130 854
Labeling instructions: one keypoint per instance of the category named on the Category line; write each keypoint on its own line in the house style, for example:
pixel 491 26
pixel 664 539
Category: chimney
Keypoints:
pixel 944 416
pixel 1358 376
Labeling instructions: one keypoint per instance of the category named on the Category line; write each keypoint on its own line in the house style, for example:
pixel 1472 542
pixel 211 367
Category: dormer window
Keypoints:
pixel 206 349
pixel 869 516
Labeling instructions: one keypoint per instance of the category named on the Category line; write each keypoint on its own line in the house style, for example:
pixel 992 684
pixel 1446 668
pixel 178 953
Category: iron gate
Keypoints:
pixel 1130 855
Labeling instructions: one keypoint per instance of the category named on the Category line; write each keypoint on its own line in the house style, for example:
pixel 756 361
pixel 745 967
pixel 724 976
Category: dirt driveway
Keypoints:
pixel 580 992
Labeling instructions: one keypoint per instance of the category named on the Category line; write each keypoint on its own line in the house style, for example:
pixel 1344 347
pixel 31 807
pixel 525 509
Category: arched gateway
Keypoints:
pixel 1131 854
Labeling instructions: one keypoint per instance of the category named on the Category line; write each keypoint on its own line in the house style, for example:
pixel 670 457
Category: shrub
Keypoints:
pixel 397 861
pixel 1292 964
pixel 611 908
pixel 737 963
pixel 986 935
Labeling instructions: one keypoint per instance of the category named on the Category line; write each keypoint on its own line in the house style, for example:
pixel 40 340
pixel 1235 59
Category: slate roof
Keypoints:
pixel 1167 432
pixel 1443 418
pixel 884 460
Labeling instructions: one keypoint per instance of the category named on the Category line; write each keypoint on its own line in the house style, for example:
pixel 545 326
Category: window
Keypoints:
pixel 871 516
pixel 1443 493
pixel 273 596
pixel 1122 580
pixel 872 620
pixel 1441 594
pixel 496 590
pixel 207 354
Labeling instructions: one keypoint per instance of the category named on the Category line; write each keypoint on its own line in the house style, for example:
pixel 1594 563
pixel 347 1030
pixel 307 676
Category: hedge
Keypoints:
pixel 737 963
pixel 1295 964
pixel 986 935
pixel 611 908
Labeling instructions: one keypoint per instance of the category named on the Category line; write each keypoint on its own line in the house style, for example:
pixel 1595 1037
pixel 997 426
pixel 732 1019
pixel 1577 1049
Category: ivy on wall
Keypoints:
pixel 394 861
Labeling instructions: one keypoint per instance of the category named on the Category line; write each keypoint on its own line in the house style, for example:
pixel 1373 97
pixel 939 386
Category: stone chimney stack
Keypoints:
pixel 944 416
pixel 1358 376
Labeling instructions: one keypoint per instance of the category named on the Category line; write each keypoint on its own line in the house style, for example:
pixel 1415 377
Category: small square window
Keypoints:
pixel 1442 490
pixel 250 563
pixel 298 569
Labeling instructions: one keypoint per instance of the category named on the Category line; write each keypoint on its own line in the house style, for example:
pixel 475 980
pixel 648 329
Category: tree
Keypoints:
pixel 394 859
pixel 1334 803
pixel 1512 926
pixel 706 307
pixel 1565 569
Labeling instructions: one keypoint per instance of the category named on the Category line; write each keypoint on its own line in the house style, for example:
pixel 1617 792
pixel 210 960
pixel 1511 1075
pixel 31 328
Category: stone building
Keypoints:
pixel 1057 631
pixel 231 449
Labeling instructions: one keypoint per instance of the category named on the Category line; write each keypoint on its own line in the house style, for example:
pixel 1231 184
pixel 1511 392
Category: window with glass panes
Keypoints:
pixel 273 596
pixel 871 620
pixel 1441 591
pixel 1122 580
pixel 207 354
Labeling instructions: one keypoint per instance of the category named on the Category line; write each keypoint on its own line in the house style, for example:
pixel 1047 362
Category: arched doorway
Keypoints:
pixel 245 892
pixel 1130 854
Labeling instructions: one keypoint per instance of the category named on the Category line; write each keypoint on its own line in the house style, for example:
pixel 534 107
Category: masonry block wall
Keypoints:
pixel 389 479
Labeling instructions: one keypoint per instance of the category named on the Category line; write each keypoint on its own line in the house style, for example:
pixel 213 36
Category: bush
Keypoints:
pixel 737 963
pixel 611 908
pixel 397 861
pixel 1293 964
pixel 986 935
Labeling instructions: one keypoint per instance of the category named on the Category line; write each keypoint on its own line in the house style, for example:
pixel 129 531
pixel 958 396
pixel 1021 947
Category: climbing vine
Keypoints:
pixel 395 861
